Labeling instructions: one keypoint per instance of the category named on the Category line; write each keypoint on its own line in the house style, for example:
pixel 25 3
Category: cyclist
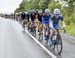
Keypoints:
pixel 31 20
pixel 36 18
pixel 40 15
pixel 32 15
pixel 40 21
pixel 23 16
pixel 46 19
pixel 28 16
pixel 57 16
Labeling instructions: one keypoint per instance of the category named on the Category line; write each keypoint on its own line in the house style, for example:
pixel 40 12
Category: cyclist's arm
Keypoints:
pixel 63 23
pixel 51 23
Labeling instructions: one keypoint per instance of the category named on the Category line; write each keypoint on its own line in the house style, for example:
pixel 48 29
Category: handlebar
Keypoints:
pixel 61 29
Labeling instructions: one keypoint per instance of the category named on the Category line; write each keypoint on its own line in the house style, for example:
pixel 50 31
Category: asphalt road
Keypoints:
pixel 68 46
pixel 16 44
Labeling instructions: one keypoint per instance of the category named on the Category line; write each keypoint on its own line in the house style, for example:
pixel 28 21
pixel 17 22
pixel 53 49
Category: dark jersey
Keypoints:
pixel 23 15
pixel 56 20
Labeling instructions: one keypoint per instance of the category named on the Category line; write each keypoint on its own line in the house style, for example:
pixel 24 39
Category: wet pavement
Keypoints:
pixel 17 44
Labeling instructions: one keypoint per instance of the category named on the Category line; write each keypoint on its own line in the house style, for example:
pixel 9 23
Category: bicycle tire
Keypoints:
pixel 54 43
pixel 40 37
pixel 59 46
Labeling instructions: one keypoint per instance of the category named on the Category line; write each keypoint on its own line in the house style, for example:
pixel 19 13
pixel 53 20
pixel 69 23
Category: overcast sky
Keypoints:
pixel 8 6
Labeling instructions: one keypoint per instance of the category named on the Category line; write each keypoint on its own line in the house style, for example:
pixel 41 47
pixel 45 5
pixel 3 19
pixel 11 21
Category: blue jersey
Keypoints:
pixel 46 19
pixel 56 20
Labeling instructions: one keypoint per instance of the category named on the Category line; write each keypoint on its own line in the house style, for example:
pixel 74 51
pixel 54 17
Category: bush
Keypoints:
pixel 70 19
pixel 54 5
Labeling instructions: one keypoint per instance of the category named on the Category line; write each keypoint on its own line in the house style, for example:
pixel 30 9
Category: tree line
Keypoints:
pixel 68 12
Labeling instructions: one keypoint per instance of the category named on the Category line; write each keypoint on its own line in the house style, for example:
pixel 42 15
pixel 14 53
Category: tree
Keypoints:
pixel 70 2
pixel 43 4
pixel 21 7
pixel 54 5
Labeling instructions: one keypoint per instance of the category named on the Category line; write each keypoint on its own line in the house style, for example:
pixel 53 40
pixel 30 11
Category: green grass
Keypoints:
pixel 71 29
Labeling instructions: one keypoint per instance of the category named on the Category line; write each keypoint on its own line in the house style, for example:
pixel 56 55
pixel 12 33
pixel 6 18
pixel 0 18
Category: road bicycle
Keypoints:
pixel 56 41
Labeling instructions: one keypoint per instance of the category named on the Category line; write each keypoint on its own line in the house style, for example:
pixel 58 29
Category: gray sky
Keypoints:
pixel 8 6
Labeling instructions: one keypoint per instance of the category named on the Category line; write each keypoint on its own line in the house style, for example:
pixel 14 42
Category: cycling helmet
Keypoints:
pixel 56 11
pixel 47 11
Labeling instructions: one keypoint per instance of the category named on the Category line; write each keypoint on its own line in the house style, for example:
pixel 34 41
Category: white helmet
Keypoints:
pixel 56 11
pixel 47 11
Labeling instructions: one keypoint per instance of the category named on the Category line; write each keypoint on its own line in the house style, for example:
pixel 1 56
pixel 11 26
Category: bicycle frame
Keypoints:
pixel 57 41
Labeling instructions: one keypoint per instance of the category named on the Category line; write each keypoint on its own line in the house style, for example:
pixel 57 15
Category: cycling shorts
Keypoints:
pixel 56 26
pixel 45 22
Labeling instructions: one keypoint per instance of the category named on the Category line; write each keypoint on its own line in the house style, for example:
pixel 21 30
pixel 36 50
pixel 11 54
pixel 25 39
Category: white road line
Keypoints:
pixel 50 53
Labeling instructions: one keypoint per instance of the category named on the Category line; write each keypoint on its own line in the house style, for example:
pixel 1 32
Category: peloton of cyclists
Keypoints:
pixel 46 18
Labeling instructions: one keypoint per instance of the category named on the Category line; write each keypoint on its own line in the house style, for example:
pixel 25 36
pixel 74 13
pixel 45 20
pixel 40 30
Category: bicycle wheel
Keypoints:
pixel 40 37
pixel 34 31
pixel 59 45
pixel 53 42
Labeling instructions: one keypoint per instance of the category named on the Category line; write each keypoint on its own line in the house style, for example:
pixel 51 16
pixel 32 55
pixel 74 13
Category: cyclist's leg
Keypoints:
pixel 23 24
pixel 48 32
pixel 35 23
pixel 20 20
pixel 40 27
pixel 51 29
pixel 44 27
pixel 58 33
pixel 29 25
pixel 51 33
pixel 44 30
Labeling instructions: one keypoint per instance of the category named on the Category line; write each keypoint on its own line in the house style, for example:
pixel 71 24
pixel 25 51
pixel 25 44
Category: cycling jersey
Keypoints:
pixel 56 21
pixel 23 15
pixel 28 16
pixel 40 18
pixel 46 19
pixel 32 16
